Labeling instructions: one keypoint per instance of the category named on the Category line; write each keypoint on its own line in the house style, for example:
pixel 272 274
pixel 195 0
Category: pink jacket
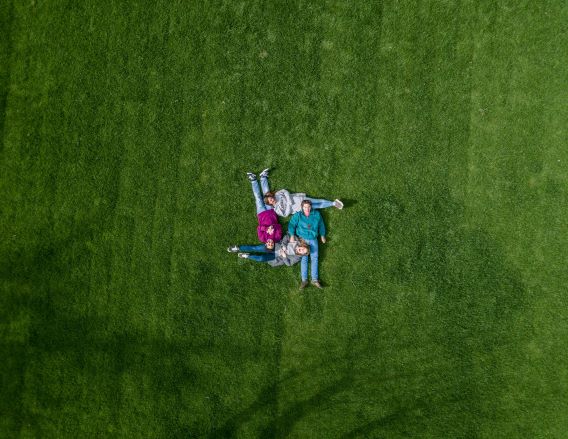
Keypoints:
pixel 266 219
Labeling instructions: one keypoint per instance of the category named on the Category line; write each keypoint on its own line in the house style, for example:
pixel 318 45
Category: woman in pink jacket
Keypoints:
pixel 268 228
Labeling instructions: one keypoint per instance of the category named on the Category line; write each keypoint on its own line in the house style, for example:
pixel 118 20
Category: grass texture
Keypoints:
pixel 127 129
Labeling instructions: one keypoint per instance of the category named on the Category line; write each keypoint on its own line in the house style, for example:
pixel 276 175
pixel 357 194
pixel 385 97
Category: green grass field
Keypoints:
pixel 127 129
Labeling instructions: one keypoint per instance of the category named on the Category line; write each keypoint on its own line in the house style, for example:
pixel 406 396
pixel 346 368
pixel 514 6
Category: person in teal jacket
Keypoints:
pixel 308 225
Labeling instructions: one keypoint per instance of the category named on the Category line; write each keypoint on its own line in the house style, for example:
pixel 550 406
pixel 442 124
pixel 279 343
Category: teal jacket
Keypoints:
pixel 307 227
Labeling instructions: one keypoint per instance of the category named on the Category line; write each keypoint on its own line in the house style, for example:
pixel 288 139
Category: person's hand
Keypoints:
pixel 292 238
pixel 323 239
pixel 283 252
pixel 270 230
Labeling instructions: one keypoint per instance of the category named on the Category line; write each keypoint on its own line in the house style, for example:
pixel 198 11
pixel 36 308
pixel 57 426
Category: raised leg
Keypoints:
pixel 264 184
pixel 258 199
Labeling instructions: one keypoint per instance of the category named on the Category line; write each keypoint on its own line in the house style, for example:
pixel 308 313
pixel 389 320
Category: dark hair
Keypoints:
pixel 268 194
pixel 306 201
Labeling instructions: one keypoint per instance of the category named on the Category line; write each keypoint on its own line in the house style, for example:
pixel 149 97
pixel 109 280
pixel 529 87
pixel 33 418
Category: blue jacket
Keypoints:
pixel 307 227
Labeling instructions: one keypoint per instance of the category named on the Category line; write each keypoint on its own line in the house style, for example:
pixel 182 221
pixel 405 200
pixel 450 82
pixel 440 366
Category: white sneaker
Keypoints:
pixel 338 204
pixel 243 255
pixel 264 173
pixel 233 249
pixel 251 176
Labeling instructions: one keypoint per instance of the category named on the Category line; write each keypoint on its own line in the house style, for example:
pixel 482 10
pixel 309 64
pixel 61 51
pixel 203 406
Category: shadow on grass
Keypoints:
pixel 476 296
pixel 102 350
pixel 6 19
pixel 283 422
pixel 348 203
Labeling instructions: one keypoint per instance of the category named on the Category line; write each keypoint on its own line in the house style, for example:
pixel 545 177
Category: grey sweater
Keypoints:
pixel 287 203
pixel 285 252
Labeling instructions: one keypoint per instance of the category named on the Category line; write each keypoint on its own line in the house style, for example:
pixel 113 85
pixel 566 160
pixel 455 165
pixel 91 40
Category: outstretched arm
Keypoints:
pixel 321 229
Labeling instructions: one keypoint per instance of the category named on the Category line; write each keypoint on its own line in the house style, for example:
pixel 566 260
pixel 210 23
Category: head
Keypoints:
pixel 269 198
pixel 270 244
pixel 302 249
pixel 306 207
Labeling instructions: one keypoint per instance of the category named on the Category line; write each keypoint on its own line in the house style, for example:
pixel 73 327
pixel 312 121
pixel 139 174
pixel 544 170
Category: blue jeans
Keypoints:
pixel 264 185
pixel 318 203
pixel 313 243
pixel 258 198
pixel 267 255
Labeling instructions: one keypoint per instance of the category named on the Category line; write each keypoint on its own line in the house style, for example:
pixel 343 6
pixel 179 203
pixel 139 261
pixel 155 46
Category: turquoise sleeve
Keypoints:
pixel 293 224
pixel 321 226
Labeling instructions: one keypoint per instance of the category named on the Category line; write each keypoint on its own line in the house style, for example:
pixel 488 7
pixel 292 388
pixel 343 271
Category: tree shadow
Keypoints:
pixel 93 346
pixel 283 423
pixel 93 351
pixel 399 416
pixel 476 293
pixel 28 271
pixel 267 397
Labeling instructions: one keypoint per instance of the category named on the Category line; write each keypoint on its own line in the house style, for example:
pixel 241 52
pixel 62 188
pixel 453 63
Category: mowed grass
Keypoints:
pixel 127 129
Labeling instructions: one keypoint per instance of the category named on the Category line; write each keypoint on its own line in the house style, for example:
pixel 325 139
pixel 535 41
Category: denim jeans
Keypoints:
pixel 313 243
pixel 264 185
pixel 258 198
pixel 267 255
pixel 318 203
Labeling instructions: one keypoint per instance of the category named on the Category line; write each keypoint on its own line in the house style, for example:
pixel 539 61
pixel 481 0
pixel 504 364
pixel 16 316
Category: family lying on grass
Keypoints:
pixel 304 228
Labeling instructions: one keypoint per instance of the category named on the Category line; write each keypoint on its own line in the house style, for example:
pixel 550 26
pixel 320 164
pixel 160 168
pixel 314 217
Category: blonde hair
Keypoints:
pixel 302 244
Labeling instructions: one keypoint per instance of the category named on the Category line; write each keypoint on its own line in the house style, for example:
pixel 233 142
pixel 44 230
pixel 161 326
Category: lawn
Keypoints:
pixel 127 129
